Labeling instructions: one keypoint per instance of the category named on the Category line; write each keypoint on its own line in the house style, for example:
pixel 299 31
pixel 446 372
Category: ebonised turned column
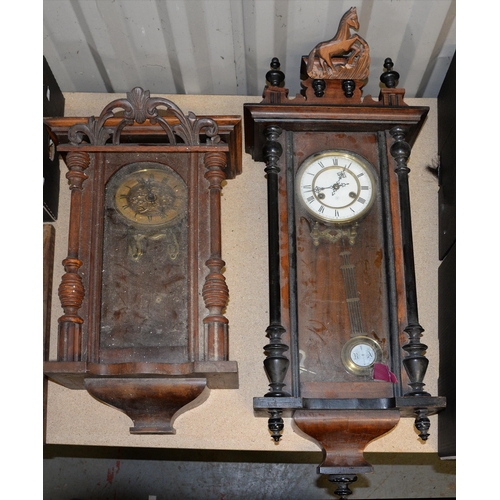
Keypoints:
pixel 415 363
pixel 276 363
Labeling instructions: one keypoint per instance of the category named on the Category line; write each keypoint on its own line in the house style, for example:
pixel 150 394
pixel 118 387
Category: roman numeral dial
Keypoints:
pixel 336 186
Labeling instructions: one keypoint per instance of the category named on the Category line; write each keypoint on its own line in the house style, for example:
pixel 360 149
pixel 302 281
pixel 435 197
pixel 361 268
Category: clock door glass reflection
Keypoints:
pixel 342 291
pixel 144 315
pixel 339 301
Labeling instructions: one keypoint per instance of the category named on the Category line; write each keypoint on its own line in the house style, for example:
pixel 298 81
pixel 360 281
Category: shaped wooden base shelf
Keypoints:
pixel 344 434
pixel 151 403
pixel 72 374
pixel 152 395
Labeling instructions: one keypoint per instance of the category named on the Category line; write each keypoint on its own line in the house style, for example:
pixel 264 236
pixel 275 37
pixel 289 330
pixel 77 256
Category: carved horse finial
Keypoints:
pixel 345 56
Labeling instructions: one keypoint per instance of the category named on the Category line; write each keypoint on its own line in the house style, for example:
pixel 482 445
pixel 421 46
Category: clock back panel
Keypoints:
pixel 319 299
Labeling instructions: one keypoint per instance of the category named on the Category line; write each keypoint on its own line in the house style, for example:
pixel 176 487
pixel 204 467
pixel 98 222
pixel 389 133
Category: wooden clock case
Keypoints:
pixel 342 413
pixel 152 382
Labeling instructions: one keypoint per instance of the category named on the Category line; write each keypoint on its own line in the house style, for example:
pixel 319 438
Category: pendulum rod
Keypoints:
pixel 351 292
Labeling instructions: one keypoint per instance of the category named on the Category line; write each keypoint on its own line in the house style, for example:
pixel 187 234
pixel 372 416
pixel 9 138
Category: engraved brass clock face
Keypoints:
pixel 336 187
pixel 152 197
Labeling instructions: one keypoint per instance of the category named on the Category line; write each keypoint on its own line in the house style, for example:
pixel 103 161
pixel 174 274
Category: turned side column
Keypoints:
pixel 215 291
pixel 276 363
pixel 415 362
pixel 71 291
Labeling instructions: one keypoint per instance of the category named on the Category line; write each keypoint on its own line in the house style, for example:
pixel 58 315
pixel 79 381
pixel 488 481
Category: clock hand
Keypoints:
pixel 147 184
pixel 338 185
pixel 150 197
pixel 334 186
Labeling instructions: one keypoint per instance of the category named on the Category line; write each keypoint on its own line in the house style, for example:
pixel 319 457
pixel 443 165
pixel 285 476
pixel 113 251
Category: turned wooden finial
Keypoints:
pixel 390 95
pixel 389 78
pixel 275 76
pixel 275 91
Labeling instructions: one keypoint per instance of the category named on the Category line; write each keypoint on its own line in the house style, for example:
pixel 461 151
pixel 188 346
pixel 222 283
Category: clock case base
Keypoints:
pixel 73 375
pixel 335 429
pixel 406 405
pixel 152 395
pixel 151 392
pixel 152 404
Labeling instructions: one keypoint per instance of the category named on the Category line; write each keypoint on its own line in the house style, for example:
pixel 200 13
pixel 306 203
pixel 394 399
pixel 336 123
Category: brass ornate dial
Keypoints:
pixel 152 196
pixel 336 186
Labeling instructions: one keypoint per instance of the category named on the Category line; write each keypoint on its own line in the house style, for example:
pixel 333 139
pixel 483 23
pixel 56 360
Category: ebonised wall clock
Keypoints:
pixel 344 355
pixel 143 293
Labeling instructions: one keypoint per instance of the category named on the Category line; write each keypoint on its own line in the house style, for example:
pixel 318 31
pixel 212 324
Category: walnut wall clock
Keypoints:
pixel 143 293
pixel 344 355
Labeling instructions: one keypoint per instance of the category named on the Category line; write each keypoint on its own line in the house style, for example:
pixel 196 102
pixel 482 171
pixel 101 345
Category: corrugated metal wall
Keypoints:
pixel 225 46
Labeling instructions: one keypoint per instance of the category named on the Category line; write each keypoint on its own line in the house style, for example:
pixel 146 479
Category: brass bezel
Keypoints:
pixel 368 167
pixel 350 365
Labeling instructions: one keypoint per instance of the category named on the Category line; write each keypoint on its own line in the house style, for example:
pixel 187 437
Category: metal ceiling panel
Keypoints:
pixel 224 47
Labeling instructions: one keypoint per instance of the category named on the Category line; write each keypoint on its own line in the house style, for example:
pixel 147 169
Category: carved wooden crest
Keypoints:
pixel 335 72
pixel 139 107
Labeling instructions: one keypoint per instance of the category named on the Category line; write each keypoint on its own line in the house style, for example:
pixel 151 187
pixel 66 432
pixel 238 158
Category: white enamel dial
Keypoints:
pixel 336 186
pixel 362 355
